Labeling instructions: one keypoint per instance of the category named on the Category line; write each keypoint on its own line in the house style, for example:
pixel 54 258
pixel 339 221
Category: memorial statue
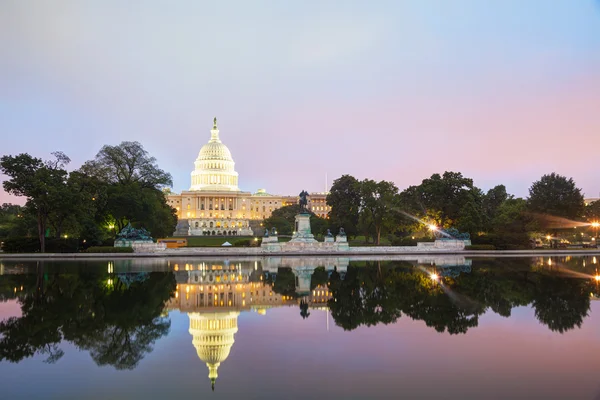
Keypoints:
pixel 329 233
pixel 267 232
pixel 303 201
pixel 130 233
pixel 215 123
pixel 342 232
pixel 273 232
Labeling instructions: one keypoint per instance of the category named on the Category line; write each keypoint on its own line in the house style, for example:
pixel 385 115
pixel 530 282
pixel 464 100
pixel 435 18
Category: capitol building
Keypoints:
pixel 215 205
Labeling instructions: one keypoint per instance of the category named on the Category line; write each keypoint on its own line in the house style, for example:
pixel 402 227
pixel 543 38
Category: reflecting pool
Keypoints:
pixel 280 328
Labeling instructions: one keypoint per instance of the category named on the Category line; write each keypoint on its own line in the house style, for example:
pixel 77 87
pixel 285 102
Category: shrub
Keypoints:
pixel 109 249
pixel 480 247
pixel 504 241
pixel 32 245
pixel 243 243
pixel 407 240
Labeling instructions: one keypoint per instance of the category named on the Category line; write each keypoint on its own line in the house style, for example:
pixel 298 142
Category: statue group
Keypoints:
pixel 130 233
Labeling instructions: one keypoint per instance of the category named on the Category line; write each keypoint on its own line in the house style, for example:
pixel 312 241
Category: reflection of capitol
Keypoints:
pixel 214 294
pixel 213 337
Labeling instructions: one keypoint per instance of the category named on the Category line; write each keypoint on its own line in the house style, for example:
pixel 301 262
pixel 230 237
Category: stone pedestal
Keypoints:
pixel 302 232
pixel 270 239
pixel 329 239
pixel 341 239
pixel 131 243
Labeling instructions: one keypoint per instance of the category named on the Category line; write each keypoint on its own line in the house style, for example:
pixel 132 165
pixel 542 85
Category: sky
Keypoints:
pixel 503 91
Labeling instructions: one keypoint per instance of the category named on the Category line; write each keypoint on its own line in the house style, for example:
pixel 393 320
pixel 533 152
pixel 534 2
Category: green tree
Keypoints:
pixel 134 188
pixel 125 164
pixel 492 201
pixel 15 220
pixel 512 217
pixel 42 183
pixel 592 211
pixel 444 200
pixel 344 199
pixel 557 196
pixel 378 206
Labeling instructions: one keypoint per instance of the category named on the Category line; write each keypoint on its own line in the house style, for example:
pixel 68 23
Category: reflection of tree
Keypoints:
pixel 285 283
pixel 560 303
pixel 373 294
pixel 319 277
pixel 425 300
pixel 121 335
pixel 117 323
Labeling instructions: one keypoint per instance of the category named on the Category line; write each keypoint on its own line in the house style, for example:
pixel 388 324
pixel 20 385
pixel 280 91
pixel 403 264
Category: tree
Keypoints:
pixel 15 221
pixel 557 196
pixel 378 205
pixel 125 164
pixel 133 191
pixel 492 201
pixel 43 184
pixel 511 217
pixel 592 211
pixel 344 199
pixel 444 200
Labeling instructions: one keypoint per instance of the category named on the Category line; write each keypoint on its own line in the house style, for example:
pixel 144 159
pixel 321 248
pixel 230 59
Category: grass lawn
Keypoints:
pixel 213 241
pixel 217 241
pixel 360 241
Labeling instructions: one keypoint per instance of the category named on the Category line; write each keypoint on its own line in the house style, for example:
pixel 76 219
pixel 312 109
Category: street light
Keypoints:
pixel 433 229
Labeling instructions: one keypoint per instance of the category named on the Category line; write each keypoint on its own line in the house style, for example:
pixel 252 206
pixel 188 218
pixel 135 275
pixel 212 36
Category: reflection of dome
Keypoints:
pixel 214 167
pixel 213 337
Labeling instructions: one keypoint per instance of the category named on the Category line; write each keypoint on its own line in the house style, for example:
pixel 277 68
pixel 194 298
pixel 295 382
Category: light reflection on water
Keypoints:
pixel 293 327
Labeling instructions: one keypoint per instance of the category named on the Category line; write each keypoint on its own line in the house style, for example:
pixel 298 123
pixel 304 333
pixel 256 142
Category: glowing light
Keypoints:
pixel 432 227
pixel 548 237
pixel 434 276
pixel 595 224
pixel 597 278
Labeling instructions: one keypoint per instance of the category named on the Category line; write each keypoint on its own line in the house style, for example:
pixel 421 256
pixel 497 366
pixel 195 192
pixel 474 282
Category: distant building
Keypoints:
pixel 214 204
pixel 590 200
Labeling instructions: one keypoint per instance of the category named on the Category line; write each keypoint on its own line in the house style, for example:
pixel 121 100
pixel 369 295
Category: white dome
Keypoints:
pixel 214 169
pixel 215 151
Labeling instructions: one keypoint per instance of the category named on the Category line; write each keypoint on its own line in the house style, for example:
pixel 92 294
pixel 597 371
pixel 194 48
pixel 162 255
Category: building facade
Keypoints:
pixel 214 204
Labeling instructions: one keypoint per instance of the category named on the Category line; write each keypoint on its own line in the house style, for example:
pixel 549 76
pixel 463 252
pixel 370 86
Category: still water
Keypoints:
pixel 282 328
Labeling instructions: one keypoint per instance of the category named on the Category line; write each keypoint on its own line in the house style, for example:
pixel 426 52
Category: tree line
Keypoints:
pixel 122 184
pixel 375 209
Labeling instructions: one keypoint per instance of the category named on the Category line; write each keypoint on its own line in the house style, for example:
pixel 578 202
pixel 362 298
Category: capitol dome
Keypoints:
pixel 214 167
pixel 212 335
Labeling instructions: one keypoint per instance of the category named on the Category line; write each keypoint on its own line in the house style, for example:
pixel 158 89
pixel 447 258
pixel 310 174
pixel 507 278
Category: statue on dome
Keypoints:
pixel 215 123
pixel 303 201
